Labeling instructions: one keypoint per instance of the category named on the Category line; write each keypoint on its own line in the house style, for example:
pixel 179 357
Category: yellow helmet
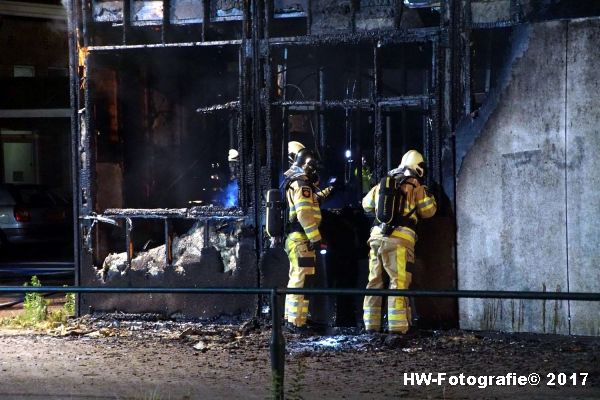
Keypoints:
pixel 413 161
pixel 232 155
pixel 293 149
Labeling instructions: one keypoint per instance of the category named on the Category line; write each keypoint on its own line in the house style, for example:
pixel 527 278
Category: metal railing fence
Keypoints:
pixel 277 344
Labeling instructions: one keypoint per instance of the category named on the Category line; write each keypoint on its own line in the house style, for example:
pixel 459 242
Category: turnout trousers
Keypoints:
pixel 391 256
pixel 302 267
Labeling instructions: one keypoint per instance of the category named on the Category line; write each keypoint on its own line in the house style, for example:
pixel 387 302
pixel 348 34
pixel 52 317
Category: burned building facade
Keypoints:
pixel 163 90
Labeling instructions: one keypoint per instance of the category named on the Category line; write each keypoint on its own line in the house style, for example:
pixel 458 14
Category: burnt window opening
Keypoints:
pixel 148 22
pixel 142 242
pixel 147 12
pixel 226 10
pixel 324 97
pixel 107 11
pixel 346 73
pixel 187 12
pixel 106 239
pixel 406 69
pixel 407 130
pixel 164 130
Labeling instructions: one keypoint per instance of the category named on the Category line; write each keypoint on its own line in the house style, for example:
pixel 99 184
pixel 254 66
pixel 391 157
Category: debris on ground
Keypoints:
pixel 148 353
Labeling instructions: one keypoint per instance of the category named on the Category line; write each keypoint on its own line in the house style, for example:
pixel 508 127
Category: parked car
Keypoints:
pixel 33 214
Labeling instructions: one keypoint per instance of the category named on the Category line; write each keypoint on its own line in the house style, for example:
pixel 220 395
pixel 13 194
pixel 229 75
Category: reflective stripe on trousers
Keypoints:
pixel 296 306
pixel 389 257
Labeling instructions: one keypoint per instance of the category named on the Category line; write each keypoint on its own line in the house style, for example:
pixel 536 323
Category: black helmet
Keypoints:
pixel 306 159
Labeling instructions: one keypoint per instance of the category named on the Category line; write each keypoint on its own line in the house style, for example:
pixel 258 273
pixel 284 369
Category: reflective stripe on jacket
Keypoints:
pixel 304 208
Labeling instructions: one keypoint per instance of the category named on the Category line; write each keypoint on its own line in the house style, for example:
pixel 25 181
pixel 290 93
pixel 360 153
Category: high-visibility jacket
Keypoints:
pixel 304 208
pixel 416 198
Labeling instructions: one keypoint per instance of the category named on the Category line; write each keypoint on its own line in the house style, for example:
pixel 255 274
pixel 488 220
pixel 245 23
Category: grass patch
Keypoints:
pixel 35 313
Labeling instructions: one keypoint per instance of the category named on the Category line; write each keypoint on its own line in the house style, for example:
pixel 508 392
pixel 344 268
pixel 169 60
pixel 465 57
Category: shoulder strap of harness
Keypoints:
pixel 290 226
pixel 400 218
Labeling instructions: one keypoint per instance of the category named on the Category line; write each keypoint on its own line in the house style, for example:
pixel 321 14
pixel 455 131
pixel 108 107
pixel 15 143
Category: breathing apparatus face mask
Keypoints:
pixel 307 161
pixel 310 168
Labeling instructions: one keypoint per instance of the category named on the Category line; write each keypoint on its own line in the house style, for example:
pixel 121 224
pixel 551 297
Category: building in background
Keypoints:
pixel 34 95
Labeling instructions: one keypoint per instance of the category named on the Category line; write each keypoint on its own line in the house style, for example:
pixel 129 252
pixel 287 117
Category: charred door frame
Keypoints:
pixel 256 105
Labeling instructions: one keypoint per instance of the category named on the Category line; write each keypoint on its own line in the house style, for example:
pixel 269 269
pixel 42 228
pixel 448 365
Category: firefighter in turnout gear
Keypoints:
pixel 303 239
pixel 393 244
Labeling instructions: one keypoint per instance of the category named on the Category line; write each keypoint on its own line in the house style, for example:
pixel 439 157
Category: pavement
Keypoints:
pixel 124 357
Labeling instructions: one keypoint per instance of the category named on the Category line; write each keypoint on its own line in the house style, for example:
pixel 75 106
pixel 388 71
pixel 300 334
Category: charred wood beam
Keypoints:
pixel 256 85
pixel 422 102
pixel 218 43
pixel 493 25
pixel 308 16
pixel 203 212
pixel 322 133
pixel 466 64
pixel 378 156
pixel 378 134
pixel 266 98
pixel 435 121
pixel 85 153
pixel 166 22
pixel 168 242
pixel 205 18
pixel 268 16
pixel 86 22
pixel 232 105
pixel 126 20
pixel 128 241
pixel 241 125
pixel 206 230
pixel 72 21
pixel 389 37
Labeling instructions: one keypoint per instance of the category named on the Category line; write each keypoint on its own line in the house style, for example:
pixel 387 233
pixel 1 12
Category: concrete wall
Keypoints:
pixel 582 172
pixel 525 200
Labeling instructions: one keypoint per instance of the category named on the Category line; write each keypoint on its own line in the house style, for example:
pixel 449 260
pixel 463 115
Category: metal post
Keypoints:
pixel 277 348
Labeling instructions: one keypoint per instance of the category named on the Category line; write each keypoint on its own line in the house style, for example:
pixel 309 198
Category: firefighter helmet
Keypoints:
pixel 413 161
pixel 233 155
pixel 293 149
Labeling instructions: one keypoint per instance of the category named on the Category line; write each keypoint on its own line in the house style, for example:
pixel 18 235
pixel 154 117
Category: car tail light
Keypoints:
pixel 22 214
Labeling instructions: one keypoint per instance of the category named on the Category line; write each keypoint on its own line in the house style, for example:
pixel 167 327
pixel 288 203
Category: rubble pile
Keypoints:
pixel 186 249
